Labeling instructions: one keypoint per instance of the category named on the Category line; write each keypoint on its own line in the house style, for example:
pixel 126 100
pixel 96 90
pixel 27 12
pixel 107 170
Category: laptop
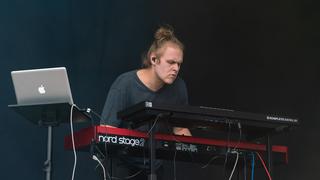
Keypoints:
pixel 42 86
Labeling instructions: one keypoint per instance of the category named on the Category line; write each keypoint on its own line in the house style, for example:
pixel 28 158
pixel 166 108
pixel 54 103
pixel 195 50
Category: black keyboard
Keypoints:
pixel 225 120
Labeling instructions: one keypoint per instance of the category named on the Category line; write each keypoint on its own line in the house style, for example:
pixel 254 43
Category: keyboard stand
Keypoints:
pixel 152 150
pixel 269 154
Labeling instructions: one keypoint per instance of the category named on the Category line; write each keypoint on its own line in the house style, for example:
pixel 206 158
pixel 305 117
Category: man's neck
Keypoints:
pixel 149 78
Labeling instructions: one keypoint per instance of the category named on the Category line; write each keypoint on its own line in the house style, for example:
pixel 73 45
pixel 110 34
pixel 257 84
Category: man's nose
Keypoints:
pixel 176 67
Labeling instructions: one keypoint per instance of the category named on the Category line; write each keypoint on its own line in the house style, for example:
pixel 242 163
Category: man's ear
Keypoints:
pixel 153 59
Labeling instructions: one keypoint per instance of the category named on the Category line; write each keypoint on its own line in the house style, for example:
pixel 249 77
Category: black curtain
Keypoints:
pixel 256 56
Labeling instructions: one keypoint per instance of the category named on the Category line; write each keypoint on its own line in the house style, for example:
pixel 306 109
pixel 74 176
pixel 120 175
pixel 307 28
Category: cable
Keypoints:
pixel 148 133
pixel 244 168
pixel 174 165
pixel 234 148
pixel 209 162
pixel 127 177
pixel 89 110
pixel 264 166
pixel 252 166
pixel 105 157
pixel 155 122
pixel 131 176
pixel 106 172
pixel 228 146
pixel 235 164
pixel 175 149
pixel 240 136
pixel 94 157
pixel 73 145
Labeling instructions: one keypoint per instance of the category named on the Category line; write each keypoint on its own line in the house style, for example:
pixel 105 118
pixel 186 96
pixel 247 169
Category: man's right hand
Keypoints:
pixel 104 125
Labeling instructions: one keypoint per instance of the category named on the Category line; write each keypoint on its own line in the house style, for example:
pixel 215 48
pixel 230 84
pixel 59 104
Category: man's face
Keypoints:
pixel 167 66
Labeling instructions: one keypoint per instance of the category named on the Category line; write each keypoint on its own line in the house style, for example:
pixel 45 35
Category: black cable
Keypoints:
pixel 89 111
pixel 240 136
pixel 245 166
pixel 175 148
pixel 160 115
pixel 228 146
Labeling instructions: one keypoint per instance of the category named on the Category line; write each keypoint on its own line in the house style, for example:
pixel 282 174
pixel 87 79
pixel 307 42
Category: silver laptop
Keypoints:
pixel 42 86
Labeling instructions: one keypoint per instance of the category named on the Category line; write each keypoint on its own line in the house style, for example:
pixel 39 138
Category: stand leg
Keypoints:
pixel 152 153
pixel 269 154
pixel 47 163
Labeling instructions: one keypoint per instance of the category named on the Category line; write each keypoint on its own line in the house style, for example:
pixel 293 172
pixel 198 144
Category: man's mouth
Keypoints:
pixel 173 75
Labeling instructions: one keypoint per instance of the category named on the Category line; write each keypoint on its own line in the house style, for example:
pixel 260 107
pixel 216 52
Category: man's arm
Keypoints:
pixel 113 104
pixel 181 131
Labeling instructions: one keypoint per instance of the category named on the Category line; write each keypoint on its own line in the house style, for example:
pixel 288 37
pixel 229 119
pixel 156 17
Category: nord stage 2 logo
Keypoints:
pixel 121 140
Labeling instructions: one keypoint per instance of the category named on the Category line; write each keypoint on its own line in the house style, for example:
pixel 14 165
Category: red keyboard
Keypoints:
pixel 194 149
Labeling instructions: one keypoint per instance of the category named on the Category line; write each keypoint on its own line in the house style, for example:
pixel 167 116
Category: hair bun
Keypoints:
pixel 164 33
pixel 162 36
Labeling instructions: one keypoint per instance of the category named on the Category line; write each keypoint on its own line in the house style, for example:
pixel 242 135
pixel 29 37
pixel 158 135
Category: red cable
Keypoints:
pixel 264 165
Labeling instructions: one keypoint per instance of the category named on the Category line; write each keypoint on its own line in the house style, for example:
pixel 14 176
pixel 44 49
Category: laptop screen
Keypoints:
pixel 42 86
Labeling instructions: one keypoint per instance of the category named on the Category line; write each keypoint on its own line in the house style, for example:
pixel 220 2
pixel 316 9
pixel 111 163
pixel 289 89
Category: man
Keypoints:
pixel 157 81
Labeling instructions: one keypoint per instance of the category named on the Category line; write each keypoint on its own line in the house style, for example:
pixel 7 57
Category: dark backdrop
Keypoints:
pixel 257 56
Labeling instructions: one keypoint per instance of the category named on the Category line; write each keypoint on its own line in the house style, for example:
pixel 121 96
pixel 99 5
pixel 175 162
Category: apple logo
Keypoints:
pixel 41 89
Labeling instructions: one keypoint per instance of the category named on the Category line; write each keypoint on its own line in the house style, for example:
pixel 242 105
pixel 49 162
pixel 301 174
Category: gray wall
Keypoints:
pixel 249 56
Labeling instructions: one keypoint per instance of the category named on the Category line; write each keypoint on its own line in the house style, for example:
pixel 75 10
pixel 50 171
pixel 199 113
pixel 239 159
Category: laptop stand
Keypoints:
pixel 49 115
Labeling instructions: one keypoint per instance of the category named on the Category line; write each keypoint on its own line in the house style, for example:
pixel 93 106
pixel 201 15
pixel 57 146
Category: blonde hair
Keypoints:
pixel 162 36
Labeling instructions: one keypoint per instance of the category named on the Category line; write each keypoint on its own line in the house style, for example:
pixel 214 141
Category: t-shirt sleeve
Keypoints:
pixel 114 103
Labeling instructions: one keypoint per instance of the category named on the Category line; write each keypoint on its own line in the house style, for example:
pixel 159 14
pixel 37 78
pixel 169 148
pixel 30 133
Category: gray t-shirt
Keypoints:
pixel 128 90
